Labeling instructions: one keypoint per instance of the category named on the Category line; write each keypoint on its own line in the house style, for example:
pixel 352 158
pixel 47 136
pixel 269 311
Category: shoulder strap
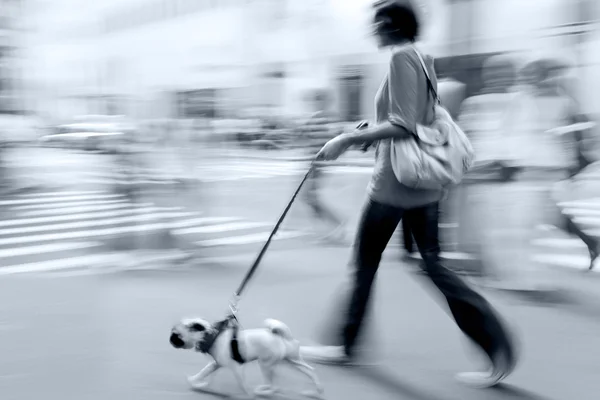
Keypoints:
pixel 429 82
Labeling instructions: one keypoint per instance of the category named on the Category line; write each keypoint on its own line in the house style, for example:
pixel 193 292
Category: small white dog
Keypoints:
pixel 232 348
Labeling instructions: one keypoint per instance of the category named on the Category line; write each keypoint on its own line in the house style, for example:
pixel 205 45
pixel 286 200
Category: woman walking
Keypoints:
pixel 402 101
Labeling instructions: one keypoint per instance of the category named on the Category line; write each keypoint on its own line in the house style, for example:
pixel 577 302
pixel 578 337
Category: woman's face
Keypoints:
pixel 381 34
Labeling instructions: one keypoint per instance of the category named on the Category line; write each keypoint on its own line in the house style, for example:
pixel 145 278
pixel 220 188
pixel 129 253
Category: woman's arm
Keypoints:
pixel 403 100
pixel 383 131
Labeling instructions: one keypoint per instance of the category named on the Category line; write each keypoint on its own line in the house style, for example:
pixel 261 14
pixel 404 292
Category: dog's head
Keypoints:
pixel 187 333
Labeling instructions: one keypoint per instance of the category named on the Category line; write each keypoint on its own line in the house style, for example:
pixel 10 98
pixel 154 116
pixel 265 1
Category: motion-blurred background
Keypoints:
pixel 147 147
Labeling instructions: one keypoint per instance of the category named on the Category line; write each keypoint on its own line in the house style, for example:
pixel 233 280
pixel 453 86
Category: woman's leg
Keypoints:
pixel 472 313
pixel 377 225
pixel 407 236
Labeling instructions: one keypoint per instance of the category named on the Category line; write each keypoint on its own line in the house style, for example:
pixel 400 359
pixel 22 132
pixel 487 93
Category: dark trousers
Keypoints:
pixel 407 237
pixel 472 313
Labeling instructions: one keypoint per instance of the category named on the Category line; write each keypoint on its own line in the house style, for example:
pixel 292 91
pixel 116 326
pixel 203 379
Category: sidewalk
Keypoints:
pixel 108 336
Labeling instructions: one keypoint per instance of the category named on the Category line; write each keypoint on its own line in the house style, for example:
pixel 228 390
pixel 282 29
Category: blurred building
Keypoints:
pixel 10 65
pixel 227 58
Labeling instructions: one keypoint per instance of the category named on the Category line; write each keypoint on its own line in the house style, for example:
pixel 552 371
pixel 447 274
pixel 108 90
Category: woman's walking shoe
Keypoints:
pixel 336 355
pixel 594 254
pixel 325 354
pixel 411 256
pixel 501 369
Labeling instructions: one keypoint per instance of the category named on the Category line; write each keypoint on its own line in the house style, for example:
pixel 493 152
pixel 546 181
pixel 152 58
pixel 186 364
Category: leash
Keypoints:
pixel 233 304
pixel 231 320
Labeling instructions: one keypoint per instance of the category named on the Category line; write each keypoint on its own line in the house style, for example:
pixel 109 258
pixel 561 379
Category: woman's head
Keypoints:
pixel 395 22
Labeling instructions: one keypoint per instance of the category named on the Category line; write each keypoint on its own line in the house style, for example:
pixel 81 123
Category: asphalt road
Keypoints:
pixel 106 336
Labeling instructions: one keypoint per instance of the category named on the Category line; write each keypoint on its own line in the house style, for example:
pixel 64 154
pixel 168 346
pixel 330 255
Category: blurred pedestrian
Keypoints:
pixel 317 132
pixel 579 143
pixel 486 118
pixel 402 101
pixel 551 112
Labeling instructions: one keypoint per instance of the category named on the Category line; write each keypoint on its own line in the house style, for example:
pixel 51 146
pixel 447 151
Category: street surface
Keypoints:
pixel 93 279
pixel 106 336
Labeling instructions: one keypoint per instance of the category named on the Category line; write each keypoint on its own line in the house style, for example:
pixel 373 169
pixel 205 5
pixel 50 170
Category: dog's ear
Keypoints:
pixel 196 327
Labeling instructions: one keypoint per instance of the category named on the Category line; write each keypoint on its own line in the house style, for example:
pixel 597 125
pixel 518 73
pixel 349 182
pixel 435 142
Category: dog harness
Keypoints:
pixel 235 349
pixel 205 345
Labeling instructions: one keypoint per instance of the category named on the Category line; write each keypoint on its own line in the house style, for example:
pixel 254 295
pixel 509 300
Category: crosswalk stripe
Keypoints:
pixel 76 210
pixel 587 221
pixel 262 164
pixel 268 170
pixel 232 178
pixel 593 232
pixel 248 239
pixel 94 223
pixel 452 255
pixel 563 260
pixel 61 193
pixel 76 216
pixel 70 204
pixel 559 243
pixel 220 228
pixel 47 248
pixel 86 261
pixel 57 199
pixel 115 231
pixel 589 203
pixel 581 212
pixel 347 169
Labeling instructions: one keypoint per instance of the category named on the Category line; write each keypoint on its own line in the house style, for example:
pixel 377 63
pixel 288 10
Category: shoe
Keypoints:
pixel 412 256
pixel 594 254
pixel 487 379
pixel 334 355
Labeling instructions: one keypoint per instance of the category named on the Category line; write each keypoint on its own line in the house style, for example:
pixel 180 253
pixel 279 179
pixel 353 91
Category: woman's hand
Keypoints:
pixel 334 148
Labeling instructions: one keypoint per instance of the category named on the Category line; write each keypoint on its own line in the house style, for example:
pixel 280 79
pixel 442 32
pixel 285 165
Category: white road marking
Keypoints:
pixel 581 212
pixel 57 199
pixel 97 223
pixel 61 193
pixel 248 239
pixel 96 233
pixel 70 204
pixel 589 203
pixel 559 243
pixel 87 261
pixel 74 217
pixel 72 210
pixel 47 248
pixel 587 221
pixel 235 226
pixel 563 260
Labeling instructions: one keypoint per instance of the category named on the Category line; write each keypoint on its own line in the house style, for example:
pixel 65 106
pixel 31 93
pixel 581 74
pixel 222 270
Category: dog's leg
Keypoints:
pixel 310 372
pixel 238 371
pixel 200 380
pixel 268 371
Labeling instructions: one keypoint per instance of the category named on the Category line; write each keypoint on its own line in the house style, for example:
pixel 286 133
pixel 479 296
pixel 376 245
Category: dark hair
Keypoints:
pixel 397 20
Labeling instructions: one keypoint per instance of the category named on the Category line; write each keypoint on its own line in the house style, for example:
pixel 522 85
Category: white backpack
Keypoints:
pixel 436 156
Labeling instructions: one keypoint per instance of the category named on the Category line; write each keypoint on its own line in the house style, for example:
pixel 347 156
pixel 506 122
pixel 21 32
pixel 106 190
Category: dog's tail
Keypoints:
pixel 279 328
